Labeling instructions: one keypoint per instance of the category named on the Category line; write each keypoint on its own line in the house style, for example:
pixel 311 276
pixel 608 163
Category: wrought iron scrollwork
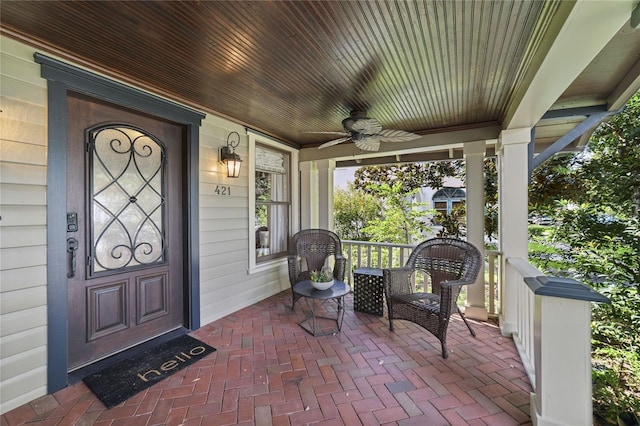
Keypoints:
pixel 127 195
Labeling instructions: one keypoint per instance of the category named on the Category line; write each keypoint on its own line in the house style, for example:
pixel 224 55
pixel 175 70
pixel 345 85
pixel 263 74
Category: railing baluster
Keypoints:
pixel 348 272
pixel 493 288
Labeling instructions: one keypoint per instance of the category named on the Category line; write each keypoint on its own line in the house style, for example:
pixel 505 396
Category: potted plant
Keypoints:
pixel 322 280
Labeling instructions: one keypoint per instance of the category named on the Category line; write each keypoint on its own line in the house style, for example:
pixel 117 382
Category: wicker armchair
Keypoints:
pixel 309 250
pixel 447 264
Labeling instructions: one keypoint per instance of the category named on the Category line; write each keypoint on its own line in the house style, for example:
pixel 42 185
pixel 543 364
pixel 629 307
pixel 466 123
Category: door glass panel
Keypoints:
pixel 127 198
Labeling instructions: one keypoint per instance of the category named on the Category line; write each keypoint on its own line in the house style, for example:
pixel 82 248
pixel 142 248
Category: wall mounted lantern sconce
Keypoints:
pixel 229 157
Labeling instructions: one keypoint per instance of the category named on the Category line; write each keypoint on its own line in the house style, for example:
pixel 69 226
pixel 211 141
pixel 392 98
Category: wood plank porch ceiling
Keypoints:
pixel 286 67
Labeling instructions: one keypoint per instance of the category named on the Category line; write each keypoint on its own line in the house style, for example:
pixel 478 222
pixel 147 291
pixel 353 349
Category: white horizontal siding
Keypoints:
pixel 24 388
pixel 15 87
pixel 23 195
pixel 226 212
pixel 22 257
pixel 18 63
pixel 16 344
pixel 224 269
pixel 19 236
pixel 17 365
pixel 12 151
pixel 13 215
pixel 23 205
pixel 21 300
pixel 225 225
pixel 231 249
pixel 22 111
pixel 23 278
pixel 23 174
pixel 19 321
pixel 225 285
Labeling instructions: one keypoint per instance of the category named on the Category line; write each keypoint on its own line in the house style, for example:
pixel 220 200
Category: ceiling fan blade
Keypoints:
pixel 389 135
pixel 334 142
pixel 329 133
pixel 367 126
pixel 368 144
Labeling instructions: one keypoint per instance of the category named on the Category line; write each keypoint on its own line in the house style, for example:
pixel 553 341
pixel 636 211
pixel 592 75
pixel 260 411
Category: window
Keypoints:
pixel 271 204
pixel 446 199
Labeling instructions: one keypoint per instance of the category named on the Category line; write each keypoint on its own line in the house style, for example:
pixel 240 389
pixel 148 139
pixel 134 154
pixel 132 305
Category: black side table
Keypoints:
pixel 368 292
pixel 335 293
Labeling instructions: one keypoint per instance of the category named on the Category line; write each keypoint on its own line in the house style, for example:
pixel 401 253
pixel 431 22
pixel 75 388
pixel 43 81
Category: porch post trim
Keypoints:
pixel 325 193
pixel 474 158
pixel 56 253
pixel 513 173
pixel 307 204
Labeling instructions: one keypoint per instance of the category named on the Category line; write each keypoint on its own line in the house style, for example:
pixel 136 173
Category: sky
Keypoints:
pixel 343 175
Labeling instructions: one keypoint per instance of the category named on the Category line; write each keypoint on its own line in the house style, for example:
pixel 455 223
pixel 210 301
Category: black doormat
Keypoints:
pixel 121 381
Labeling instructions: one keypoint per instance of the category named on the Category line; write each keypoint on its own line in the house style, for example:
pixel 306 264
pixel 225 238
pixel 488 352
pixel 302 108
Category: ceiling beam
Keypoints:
pixel 572 112
pixel 426 143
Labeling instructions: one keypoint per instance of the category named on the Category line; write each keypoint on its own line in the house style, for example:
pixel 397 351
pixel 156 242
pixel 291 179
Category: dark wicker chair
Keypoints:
pixel 447 265
pixel 309 250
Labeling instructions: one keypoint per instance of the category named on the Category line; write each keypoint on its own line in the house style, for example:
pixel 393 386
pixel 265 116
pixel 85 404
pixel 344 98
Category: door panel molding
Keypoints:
pixel 109 305
pixel 61 78
pixel 152 294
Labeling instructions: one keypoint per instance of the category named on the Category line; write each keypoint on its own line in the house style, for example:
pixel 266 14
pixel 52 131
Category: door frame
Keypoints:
pixel 61 78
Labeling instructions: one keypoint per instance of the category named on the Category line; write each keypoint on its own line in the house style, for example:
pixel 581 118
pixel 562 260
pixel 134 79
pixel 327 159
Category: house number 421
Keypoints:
pixel 222 190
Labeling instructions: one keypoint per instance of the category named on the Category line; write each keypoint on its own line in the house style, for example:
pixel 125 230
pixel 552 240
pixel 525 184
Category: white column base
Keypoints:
pixel 476 313
pixel 538 419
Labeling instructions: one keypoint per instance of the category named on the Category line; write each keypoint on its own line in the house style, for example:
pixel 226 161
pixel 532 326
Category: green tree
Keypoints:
pixel 612 169
pixel 558 178
pixel 401 221
pixel 411 176
pixel 605 175
pixel 490 197
pixel 452 223
pixel 353 210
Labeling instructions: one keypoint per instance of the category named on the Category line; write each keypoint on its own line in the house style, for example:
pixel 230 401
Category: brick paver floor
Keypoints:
pixel 268 371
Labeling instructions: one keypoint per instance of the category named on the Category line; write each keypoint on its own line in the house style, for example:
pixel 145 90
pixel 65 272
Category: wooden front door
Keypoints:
pixel 124 228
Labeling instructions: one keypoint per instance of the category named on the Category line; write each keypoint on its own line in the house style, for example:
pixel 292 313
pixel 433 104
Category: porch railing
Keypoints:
pixel 364 254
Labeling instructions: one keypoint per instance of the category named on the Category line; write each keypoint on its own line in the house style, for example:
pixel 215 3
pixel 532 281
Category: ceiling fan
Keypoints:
pixel 366 133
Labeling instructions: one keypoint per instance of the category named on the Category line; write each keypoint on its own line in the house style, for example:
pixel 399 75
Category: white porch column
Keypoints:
pixel 308 195
pixel 325 193
pixel 474 159
pixel 512 216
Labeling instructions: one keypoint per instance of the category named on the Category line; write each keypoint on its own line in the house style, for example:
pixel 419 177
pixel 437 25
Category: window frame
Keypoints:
pixel 256 138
